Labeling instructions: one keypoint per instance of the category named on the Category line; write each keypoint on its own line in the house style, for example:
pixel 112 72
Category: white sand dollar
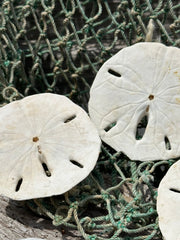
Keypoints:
pixel 47 145
pixel 168 203
pixel 140 81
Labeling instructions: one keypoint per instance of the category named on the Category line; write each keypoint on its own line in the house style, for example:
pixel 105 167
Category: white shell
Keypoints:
pixel 168 203
pixel 148 84
pixel 40 130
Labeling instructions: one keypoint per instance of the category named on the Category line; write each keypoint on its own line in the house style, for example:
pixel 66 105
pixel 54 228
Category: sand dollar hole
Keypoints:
pixel 174 190
pixel 141 127
pixel 76 163
pixel 18 185
pixel 167 143
pixel 112 72
pixel 110 126
pixel 46 169
pixel 69 119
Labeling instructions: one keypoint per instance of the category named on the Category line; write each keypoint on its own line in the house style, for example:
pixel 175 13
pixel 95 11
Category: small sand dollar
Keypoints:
pixel 47 145
pixel 168 203
pixel 139 83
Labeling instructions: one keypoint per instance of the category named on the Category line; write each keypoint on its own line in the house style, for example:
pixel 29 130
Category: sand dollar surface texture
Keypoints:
pixel 47 145
pixel 168 203
pixel 139 83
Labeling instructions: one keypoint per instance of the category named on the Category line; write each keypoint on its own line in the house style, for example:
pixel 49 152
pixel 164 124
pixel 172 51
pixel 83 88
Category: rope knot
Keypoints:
pixel 2 29
pixel 22 31
pixel 43 34
pixel 120 225
pixel 153 17
pixel 93 237
pixel 105 195
pixel 49 10
pixel 74 205
pixel 66 20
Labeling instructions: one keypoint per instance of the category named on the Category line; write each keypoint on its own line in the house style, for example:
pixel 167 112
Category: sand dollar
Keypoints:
pixel 47 145
pixel 139 83
pixel 168 203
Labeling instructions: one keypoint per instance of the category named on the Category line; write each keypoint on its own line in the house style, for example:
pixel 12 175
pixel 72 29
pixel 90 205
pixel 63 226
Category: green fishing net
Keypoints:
pixel 58 46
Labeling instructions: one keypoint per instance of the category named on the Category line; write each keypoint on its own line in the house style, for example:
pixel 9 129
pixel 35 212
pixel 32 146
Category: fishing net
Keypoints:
pixel 58 46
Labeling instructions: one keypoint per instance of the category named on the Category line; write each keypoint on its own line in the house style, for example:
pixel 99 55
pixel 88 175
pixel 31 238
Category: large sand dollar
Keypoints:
pixel 139 82
pixel 168 203
pixel 47 145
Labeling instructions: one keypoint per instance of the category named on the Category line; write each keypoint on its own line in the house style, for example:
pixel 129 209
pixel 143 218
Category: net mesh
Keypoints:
pixel 58 46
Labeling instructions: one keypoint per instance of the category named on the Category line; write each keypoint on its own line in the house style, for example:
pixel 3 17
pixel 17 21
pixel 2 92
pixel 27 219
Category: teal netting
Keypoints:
pixel 58 46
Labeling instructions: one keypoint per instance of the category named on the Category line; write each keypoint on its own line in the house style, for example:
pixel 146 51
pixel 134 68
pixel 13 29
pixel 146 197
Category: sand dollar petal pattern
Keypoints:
pixel 168 203
pixel 140 81
pixel 47 145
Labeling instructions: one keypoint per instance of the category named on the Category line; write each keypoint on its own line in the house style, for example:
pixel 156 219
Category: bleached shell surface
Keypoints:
pixel 45 129
pixel 148 84
pixel 168 203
